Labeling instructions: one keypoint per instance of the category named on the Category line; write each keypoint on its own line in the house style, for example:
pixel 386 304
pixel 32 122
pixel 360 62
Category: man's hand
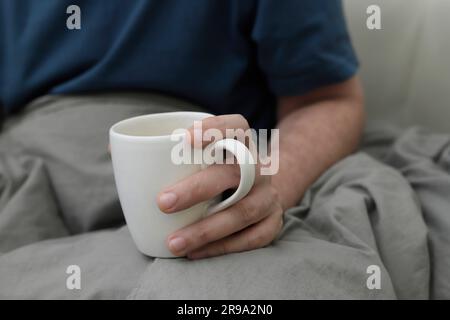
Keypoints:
pixel 316 130
pixel 251 223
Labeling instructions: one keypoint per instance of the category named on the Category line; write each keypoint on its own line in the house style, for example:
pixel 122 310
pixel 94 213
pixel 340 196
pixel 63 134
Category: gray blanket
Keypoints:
pixel 385 208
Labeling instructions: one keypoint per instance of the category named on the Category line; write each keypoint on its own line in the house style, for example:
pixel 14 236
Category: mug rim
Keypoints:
pixel 113 129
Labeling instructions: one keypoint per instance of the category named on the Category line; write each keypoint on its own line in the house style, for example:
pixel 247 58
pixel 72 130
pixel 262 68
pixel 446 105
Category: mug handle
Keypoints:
pixel 247 168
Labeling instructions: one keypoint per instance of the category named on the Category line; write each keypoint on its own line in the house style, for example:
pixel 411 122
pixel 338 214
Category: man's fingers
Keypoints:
pixel 203 185
pixel 252 209
pixel 220 124
pixel 256 236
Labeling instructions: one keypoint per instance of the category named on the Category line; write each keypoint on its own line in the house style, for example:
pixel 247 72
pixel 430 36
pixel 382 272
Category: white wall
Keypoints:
pixel 405 67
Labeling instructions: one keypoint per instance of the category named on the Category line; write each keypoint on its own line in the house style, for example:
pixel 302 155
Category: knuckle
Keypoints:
pixel 276 228
pixel 222 248
pixel 218 122
pixel 243 121
pixel 257 239
pixel 247 212
pixel 275 201
pixel 277 209
pixel 203 234
pixel 280 227
pixel 195 189
pixel 275 197
pixel 267 200
pixel 269 236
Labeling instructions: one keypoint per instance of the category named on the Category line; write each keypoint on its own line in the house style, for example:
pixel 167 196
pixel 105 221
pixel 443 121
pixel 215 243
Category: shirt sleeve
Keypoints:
pixel 302 45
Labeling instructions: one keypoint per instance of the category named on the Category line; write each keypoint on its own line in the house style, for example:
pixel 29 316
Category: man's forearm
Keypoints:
pixel 312 138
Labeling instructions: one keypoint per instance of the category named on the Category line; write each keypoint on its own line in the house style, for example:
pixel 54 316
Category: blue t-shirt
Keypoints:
pixel 229 56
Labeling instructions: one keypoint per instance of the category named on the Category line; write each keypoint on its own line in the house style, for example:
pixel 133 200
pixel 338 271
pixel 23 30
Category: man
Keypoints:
pixel 256 64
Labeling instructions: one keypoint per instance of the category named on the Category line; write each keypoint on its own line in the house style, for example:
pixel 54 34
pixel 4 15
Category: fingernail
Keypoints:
pixel 177 244
pixel 167 200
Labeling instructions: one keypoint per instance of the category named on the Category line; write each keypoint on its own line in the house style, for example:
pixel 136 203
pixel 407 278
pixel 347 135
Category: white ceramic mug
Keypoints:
pixel 141 156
